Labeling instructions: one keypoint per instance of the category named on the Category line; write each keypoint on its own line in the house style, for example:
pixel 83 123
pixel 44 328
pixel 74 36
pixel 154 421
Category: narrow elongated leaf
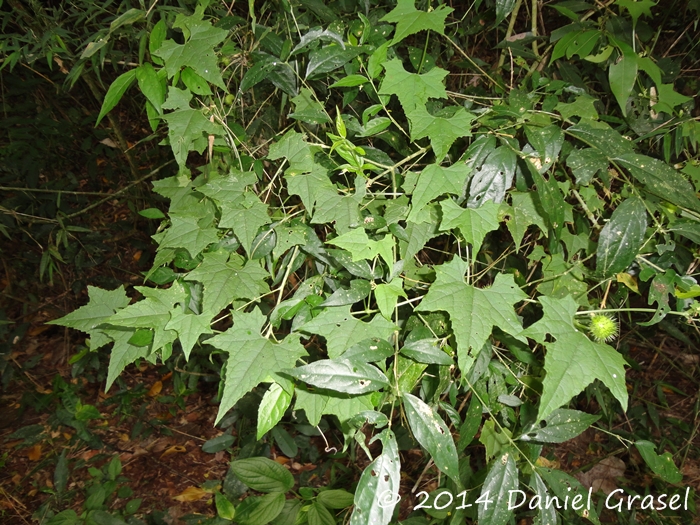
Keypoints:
pixel 263 475
pixel 562 425
pixel 129 17
pixel 116 92
pixel 377 492
pixel 432 433
pixel 342 375
pixel 501 479
pixel 622 76
pixel 622 237
pixel 150 85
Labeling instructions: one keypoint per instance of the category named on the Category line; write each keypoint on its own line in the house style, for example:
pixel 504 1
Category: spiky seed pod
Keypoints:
pixel 603 328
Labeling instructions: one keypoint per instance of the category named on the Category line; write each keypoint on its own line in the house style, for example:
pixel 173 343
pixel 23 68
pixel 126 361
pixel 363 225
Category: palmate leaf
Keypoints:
pixel 409 20
pixel 473 223
pixel 573 361
pixel 102 305
pixel 185 232
pixel 152 312
pixel 342 330
pixel 413 90
pixel 252 358
pixel 319 403
pixel 123 352
pixel 473 311
pixel 244 216
pixel 435 181
pixel 361 246
pixel 185 127
pixel 226 277
pixel 189 327
pixel 197 52
pixel 442 131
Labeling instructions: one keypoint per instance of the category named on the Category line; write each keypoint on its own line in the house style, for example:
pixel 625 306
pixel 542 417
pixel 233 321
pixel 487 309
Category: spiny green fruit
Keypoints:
pixel 603 328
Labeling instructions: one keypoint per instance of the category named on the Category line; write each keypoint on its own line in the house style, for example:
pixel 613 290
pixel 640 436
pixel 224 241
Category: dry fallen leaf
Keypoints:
pixel 155 389
pixel 34 453
pixel 191 494
pixel 175 449
pixel 602 477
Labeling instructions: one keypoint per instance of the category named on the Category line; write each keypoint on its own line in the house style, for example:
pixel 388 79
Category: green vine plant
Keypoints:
pixel 400 256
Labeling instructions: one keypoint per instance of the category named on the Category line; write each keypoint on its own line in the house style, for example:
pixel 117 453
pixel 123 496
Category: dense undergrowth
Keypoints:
pixel 391 225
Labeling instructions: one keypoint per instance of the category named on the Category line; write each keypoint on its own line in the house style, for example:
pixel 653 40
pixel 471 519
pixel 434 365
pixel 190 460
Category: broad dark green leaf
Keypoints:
pixel 660 179
pixel 503 9
pixel 661 465
pixel 687 228
pixel 317 34
pixel 218 443
pixel 548 514
pixel 432 433
pixel 562 425
pixel 319 515
pixel 426 351
pixel 472 422
pixel 263 475
pixel 622 237
pixel 329 58
pixel 501 479
pixel 370 350
pixel 377 492
pixel 116 92
pixel 565 486
pixel 493 178
pixel 335 498
pixel 260 510
pixel 585 163
pixel 552 202
pixel 359 289
pixel 547 141
pixel 341 375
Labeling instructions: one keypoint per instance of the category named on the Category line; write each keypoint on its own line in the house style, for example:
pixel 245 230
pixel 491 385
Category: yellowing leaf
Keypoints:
pixel 191 494
pixel 34 453
pixel 175 449
pixel 155 389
